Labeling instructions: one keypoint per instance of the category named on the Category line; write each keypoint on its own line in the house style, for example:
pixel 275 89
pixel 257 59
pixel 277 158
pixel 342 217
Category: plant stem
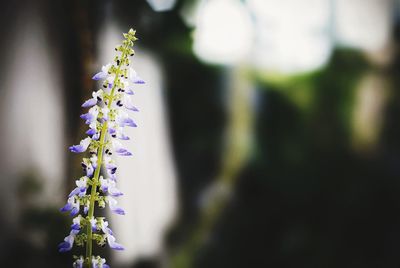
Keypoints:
pixel 95 181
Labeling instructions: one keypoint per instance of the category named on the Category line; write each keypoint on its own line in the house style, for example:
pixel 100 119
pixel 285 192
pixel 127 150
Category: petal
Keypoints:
pixel 94 262
pixel 76 149
pixel 89 103
pixel 132 108
pixel 84 144
pixel 93 223
pixel 68 243
pixel 124 153
pixel 113 206
pixel 133 76
pixel 106 67
pixel 129 91
pixel 75 226
pixel 104 188
pixel 67 207
pixel 83 191
pixel 78 263
pixel 127 101
pixel 99 75
pixel 103 184
pixel 115 192
pixel 88 117
pixel 111 167
pixel 96 136
pixel 105 112
pixel 138 80
pixel 89 171
pixel 64 246
pixel 109 231
pixel 113 244
pixel 112 177
pixel 118 211
pixel 91 132
pixel 123 137
pixel 76 191
pixel 103 226
pixel 74 211
pixel 117 246
pixel 129 122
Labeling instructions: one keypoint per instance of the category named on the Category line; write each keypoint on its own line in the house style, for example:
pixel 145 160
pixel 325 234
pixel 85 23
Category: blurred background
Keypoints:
pixel 267 131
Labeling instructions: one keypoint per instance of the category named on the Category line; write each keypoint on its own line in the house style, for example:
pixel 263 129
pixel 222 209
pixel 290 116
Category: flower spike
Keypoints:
pixel 108 115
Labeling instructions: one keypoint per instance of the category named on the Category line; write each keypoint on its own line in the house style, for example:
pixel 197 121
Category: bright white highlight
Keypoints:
pixel 224 32
pixel 161 5
pixel 364 24
pixel 292 36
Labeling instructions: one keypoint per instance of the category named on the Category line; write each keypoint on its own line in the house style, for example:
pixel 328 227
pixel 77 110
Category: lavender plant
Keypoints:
pixel 106 118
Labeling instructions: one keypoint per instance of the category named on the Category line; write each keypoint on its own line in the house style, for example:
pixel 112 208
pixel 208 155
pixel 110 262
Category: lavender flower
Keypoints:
pixel 99 262
pixel 106 118
pixel 78 263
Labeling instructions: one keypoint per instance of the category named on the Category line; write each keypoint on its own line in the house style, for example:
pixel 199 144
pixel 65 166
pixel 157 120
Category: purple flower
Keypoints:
pixel 117 146
pixel 114 245
pixel 123 137
pixel 81 147
pixel 93 160
pixel 99 263
pixel 88 117
pixel 113 206
pixel 110 236
pixel 109 186
pixel 93 223
pixel 79 262
pixel 67 207
pixel 128 122
pixel 81 187
pixel 127 102
pixel 72 205
pixel 112 167
pixel 91 132
pixel 65 246
pixel 105 112
pixel 86 209
pixel 99 75
pixel 89 103
pixel 106 118
pixel 76 223
pixel 134 77
pixel 89 171
pixel 103 74
pixel 120 134
pixel 91 116
pixel 68 242
pixel 111 131
pixel 129 91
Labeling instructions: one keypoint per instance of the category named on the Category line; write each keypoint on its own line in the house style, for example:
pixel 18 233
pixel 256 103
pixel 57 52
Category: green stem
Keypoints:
pixel 95 181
